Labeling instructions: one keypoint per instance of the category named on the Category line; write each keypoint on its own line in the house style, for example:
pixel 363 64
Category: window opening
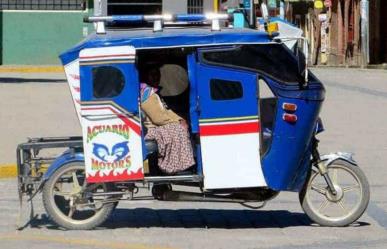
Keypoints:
pixel 108 82
pixel 136 7
pixel 225 89
pixel 174 83
pixel 267 111
pixel 273 60
pixel 195 6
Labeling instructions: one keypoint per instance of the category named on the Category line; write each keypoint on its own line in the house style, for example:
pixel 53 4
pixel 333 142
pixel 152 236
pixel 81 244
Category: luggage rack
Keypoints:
pixel 30 165
pixel 159 20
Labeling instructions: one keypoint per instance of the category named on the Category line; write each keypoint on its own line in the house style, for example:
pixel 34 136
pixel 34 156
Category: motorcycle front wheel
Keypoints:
pixel 342 209
pixel 73 204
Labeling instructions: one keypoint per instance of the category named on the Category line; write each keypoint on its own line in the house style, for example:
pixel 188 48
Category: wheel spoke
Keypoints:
pixel 351 188
pixel 334 176
pixel 323 205
pixel 319 189
pixel 75 180
pixel 341 204
pixel 71 212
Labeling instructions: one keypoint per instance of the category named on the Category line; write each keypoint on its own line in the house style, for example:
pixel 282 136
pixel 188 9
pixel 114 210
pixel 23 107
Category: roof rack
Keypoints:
pixel 158 20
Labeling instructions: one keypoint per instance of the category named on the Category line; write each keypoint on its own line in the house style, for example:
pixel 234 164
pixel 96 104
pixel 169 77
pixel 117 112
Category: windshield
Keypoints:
pixel 273 60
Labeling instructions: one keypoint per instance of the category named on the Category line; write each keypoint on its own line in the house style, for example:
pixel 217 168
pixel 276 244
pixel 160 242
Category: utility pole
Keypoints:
pixel 100 7
pixel 365 47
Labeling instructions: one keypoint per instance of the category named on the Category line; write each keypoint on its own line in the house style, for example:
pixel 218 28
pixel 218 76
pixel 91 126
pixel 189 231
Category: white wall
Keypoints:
pixel 174 6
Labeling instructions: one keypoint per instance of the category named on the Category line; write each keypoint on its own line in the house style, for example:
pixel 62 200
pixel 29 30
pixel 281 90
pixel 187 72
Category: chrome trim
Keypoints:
pixel 183 178
pixel 330 158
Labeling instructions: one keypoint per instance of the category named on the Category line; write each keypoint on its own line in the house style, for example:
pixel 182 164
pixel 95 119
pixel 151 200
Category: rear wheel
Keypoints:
pixel 72 203
pixel 346 206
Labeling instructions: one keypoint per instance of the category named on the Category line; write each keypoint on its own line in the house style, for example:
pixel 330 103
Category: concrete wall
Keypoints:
pixel 174 6
pixel 208 6
pixel 38 37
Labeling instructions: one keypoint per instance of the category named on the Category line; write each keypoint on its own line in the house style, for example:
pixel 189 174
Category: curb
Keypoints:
pixel 8 170
pixel 31 69
pixel 378 67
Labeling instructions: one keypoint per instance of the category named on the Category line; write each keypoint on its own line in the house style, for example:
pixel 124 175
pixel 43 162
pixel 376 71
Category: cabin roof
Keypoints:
pixel 145 38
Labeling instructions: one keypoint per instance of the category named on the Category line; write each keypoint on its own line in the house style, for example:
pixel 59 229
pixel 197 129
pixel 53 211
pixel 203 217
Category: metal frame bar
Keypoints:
pixel 158 20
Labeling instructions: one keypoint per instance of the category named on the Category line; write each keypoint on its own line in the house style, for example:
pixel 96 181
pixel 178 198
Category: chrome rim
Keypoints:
pixel 335 207
pixel 73 198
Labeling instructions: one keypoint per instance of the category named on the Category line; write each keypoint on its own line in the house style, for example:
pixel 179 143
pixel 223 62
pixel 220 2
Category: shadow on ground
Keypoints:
pixel 197 218
pixel 29 80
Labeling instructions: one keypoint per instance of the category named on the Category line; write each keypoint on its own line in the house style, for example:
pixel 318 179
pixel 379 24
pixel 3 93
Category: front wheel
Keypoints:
pixel 342 209
pixel 72 203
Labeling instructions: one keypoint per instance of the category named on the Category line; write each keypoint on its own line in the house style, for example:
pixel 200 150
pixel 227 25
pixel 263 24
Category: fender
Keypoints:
pixel 331 158
pixel 68 156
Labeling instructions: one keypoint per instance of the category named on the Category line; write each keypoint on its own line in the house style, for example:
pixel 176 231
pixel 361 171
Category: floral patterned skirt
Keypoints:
pixel 174 145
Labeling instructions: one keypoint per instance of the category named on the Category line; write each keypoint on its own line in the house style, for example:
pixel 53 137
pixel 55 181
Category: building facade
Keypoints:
pixel 342 32
pixel 35 32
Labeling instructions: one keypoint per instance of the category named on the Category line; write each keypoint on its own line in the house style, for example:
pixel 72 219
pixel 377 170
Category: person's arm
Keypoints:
pixel 156 112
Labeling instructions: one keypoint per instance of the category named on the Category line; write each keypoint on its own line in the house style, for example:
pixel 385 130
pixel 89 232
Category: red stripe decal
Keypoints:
pixel 136 128
pixel 75 76
pixel 126 175
pixel 105 56
pixel 229 129
pixel 77 89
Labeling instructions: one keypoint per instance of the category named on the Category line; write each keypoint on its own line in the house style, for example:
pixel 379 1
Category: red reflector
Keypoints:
pixel 291 118
pixel 289 107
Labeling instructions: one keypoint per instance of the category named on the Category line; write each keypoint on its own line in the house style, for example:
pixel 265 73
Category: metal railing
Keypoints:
pixel 158 20
pixel 42 4
pixel 195 7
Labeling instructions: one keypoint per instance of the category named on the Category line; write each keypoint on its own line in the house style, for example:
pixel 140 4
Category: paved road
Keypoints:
pixel 355 119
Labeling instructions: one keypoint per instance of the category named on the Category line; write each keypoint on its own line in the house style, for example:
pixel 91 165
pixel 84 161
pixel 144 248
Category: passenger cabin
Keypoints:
pixel 228 82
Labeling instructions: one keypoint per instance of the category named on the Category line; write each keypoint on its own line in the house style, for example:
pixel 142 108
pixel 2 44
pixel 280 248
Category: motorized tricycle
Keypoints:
pixel 253 112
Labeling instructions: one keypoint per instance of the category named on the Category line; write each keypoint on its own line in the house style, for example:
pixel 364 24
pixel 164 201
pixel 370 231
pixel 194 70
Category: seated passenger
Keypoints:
pixel 163 125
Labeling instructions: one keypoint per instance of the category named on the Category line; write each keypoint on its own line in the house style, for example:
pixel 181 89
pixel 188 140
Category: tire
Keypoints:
pixel 340 201
pixel 57 205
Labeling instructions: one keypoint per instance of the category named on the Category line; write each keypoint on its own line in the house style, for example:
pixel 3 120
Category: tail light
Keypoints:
pixel 289 107
pixel 290 118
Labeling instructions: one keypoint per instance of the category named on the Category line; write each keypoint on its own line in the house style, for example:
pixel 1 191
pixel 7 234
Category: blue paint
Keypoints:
pixel 128 98
pixel 115 154
pixel 190 17
pixel 244 106
pixel 127 18
pixel 193 95
pixel 141 39
pixel 65 158
pixel 286 163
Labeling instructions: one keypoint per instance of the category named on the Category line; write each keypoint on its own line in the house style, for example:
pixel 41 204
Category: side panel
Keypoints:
pixel 110 120
pixel 72 75
pixel 287 161
pixel 229 130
